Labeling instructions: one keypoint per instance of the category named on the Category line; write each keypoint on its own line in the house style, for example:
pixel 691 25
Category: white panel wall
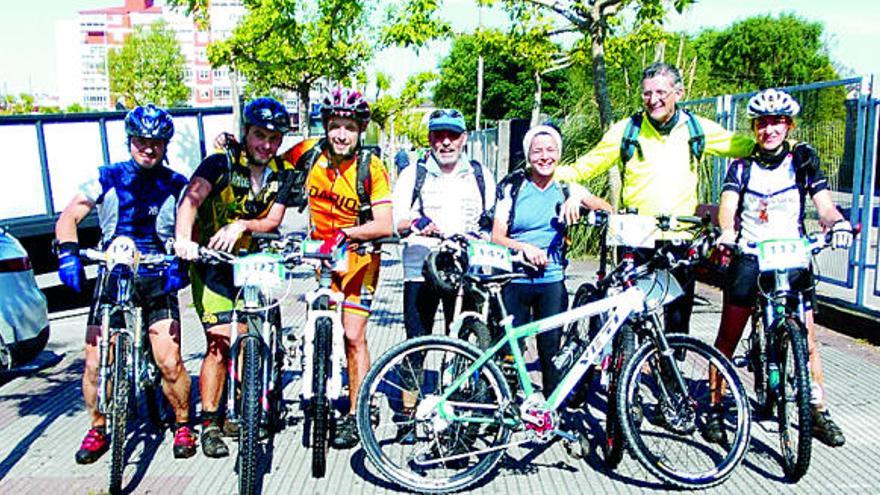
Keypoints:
pixel 22 185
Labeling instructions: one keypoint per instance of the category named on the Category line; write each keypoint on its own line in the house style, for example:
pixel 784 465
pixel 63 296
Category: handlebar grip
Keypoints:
pixel 265 236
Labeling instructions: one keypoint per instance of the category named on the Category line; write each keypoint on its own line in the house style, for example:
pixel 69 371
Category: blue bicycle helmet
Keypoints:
pixel 149 122
pixel 267 113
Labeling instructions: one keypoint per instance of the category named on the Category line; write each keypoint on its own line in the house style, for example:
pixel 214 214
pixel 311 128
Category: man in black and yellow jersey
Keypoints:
pixel 229 196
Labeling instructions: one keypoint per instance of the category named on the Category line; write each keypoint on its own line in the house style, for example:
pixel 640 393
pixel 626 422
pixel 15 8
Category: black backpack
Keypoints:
pixel 422 174
pixel 516 180
pixel 629 144
pixel 363 182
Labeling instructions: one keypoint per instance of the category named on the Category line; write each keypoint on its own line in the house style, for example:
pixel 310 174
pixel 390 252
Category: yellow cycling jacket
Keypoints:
pixel 663 178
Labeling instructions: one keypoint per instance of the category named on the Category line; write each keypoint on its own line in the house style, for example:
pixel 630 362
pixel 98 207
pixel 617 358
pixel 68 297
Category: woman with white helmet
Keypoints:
pixel 766 193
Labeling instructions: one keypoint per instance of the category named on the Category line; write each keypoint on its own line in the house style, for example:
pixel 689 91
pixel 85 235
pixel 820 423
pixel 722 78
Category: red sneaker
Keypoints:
pixel 184 442
pixel 93 447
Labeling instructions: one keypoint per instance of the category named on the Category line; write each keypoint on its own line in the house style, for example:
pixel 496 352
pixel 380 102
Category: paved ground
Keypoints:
pixel 42 422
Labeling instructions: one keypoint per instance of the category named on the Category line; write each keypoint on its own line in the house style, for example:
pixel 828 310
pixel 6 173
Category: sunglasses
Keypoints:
pixel 446 112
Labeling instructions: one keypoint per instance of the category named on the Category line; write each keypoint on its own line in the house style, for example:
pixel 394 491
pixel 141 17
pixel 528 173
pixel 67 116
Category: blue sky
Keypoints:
pixel 852 28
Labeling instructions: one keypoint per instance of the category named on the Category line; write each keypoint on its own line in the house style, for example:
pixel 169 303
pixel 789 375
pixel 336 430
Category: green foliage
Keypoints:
pixel 148 68
pixel 413 125
pixel 387 107
pixel 413 24
pixel 286 44
pixel 763 51
pixel 508 82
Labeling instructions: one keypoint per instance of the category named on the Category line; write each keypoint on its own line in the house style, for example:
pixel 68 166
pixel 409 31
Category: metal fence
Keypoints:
pixel 47 157
pixel 483 147
pixel 839 119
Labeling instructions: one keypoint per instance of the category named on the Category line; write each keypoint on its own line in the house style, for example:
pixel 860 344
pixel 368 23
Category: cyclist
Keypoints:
pixel 337 213
pixel 525 220
pixel 766 192
pixel 444 193
pixel 229 196
pixel 659 149
pixel 134 198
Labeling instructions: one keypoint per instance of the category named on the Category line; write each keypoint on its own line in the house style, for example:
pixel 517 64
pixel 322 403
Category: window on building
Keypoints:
pixel 223 93
pixel 205 93
pixel 204 74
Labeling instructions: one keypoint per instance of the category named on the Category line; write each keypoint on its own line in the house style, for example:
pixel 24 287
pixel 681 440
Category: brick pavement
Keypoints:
pixel 42 421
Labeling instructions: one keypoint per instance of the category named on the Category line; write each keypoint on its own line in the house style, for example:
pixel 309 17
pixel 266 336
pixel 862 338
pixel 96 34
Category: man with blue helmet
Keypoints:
pixel 135 198
pixel 230 195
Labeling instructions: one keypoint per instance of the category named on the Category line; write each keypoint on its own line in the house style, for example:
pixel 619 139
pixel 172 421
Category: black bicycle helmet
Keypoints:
pixel 444 269
pixel 149 122
pixel 267 113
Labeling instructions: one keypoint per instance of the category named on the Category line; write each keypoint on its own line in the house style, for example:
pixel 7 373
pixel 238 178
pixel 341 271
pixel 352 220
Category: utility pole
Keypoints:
pixel 479 71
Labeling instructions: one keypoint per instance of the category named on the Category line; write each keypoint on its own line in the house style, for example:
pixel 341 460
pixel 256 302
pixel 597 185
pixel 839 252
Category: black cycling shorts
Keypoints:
pixel 148 294
pixel 741 282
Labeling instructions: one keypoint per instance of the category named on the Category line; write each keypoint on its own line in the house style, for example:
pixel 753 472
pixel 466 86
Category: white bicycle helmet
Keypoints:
pixel 772 102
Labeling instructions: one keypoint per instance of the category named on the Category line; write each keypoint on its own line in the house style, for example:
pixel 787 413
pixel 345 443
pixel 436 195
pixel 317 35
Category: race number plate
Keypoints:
pixel 261 269
pixel 631 230
pixel 783 254
pixel 486 254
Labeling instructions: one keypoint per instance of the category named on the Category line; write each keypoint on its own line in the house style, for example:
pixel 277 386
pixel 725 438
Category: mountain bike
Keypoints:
pixel 777 351
pixel 465 416
pixel 127 371
pixel 323 347
pixel 256 355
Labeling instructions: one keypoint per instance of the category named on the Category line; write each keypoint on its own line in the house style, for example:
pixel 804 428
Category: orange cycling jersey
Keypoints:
pixel 333 198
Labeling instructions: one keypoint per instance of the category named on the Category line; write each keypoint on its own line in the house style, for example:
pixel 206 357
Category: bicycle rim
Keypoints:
pixel 320 407
pixel 758 363
pixel 793 410
pixel 663 427
pixel 398 409
pixel 248 443
pixel 121 393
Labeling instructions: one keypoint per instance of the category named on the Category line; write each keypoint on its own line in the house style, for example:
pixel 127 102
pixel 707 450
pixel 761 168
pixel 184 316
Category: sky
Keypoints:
pixel 852 27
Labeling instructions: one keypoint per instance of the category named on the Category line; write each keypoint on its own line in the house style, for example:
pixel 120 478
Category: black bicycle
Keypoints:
pixel 777 350
pixel 127 372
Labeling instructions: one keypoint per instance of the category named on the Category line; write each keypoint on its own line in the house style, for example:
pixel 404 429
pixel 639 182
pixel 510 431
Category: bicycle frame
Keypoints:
pixel 619 308
pixel 318 303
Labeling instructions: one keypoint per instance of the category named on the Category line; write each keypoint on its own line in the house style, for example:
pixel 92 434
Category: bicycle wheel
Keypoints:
pixel 407 436
pixel 121 392
pixel 475 332
pixel 793 411
pixel 758 365
pixel 249 434
pixel 320 405
pixel 662 423
pixel 624 348
pixel 275 421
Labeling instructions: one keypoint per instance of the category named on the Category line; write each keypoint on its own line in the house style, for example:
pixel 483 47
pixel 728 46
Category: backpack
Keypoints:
pixel 307 160
pixel 422 174
pixel 629 144
pixel 745 172
pixel 516 180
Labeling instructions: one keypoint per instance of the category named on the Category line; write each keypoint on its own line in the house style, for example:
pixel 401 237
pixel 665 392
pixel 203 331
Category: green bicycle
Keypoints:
pixel 446 413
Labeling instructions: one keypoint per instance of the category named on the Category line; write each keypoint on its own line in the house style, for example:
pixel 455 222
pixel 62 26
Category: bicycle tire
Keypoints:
pixel 320 405
pixel 584 295
pixel 249 430
pixel 276 396
pixel 636 389
pixel 624 348
pixel 121 394
pixel 475 332
pixel 794 372
pixel 758 364
pixel 380 392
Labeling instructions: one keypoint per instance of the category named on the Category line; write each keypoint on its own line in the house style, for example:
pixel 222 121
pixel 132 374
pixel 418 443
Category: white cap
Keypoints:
pixel 541 129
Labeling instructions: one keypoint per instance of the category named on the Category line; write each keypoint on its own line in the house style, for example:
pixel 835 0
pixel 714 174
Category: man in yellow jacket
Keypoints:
pixel 660 150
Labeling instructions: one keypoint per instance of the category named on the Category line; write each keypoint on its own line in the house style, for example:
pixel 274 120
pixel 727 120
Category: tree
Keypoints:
pixel 289 45
pixel 510 85
pixel 148 68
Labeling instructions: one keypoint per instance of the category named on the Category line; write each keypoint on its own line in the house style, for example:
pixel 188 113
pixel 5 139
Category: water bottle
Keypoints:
pixel 773 375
